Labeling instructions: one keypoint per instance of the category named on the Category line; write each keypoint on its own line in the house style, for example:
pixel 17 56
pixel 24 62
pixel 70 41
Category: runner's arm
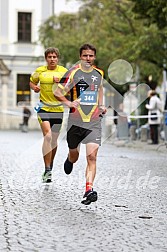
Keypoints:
pixel 60 93
pixel 34 87
pixel 34 80
pixel 102 108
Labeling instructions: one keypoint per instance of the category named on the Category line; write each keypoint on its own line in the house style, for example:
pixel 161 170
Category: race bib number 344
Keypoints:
pixel 88 98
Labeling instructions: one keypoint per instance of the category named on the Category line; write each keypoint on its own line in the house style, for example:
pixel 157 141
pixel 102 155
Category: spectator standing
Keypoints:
pixel 154 115
pixel 26 117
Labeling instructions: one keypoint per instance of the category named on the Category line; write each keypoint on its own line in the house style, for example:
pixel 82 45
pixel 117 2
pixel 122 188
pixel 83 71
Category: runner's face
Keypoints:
pixel 87 58
pixel 52 60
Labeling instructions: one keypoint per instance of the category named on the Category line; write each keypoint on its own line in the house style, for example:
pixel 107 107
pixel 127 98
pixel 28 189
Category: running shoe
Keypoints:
pixel 47 176
pixel 91 196
pixel 68 166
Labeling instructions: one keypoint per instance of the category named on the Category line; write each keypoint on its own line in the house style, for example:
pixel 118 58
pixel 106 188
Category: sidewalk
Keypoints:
pixel 129 216
pixel 161 147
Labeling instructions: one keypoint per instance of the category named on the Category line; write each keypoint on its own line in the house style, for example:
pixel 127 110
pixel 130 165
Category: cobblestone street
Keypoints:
pixel 129 216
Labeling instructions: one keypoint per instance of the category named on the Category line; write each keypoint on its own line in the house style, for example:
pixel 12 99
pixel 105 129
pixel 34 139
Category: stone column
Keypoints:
pixel 4 82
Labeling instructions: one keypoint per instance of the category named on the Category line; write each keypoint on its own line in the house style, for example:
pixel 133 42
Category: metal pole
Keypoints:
pixel 164 86
pixel 137 80
pixel 53 7
pixel 164 79
pixel 165 95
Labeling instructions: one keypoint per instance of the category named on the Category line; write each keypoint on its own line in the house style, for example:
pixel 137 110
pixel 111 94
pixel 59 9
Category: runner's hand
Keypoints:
pixel 75 103
pixel 36 89
pixel 102 109
pixel 55 79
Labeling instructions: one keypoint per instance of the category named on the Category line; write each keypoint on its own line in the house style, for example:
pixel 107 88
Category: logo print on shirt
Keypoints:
pixel 81 90
pixel 94 78
pixel 81 78
pixel 92 87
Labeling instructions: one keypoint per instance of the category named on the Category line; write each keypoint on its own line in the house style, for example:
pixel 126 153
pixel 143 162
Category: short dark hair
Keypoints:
pixel 52 50
pixel 87 47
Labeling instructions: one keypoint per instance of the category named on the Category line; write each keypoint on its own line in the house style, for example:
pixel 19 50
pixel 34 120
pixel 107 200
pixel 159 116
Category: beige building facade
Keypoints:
pixel 20 54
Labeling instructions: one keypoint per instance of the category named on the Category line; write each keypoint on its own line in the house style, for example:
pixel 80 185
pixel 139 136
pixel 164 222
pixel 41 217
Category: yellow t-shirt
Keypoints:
pixel 44 77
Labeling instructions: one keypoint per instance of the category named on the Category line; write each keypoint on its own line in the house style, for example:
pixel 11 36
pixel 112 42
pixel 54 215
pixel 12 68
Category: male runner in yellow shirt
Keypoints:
pixel 50 111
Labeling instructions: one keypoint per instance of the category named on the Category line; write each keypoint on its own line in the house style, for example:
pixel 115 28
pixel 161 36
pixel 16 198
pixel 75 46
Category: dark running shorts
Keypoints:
pixel 54 118
pixel 77 134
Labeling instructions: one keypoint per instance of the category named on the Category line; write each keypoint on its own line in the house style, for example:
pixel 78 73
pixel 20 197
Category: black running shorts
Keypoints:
pixel 54 118
pixel 83 133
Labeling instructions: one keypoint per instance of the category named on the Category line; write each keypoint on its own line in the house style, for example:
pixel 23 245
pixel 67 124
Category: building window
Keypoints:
pixel 23 88
pixel 24 27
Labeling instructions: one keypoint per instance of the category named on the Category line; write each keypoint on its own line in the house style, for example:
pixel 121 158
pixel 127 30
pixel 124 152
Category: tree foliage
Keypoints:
pixel 153 11
pixel 116 30
pixel 62 32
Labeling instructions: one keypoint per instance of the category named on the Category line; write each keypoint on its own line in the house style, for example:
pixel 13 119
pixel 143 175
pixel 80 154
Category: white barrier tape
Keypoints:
pixel 10 112
pixel 136 117
pixel 145 116
pixel 15 113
